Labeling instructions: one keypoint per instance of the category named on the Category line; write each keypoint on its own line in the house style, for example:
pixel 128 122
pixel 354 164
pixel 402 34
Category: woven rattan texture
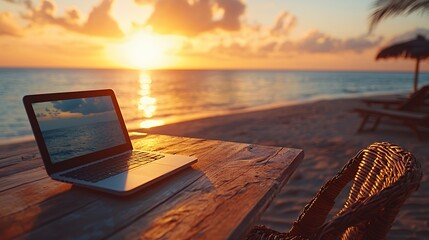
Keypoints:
pixel 384 175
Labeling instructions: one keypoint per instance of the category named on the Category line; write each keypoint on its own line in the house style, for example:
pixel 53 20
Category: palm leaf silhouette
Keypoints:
pixel 389 8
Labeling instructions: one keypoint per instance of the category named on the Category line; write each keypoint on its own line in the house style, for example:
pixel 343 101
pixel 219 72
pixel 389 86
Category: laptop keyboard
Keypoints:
pixel 112 166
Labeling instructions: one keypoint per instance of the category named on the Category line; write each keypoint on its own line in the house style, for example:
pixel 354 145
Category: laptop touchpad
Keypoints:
pixel 152 170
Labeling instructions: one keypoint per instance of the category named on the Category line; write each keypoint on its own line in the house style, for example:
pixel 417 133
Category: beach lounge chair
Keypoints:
pixel 413 112
pixel 384 175
pixel 386 103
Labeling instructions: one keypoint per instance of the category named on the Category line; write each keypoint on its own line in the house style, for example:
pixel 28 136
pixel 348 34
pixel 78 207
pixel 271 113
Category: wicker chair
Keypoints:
pixel 384 177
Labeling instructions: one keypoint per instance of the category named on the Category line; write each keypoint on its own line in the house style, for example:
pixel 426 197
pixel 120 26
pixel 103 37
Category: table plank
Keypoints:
pixel 226 174
pixel 22 178
pixel 31 194
pixel 17 149
pixel 101 219
pixel 216 196
pixel 31 216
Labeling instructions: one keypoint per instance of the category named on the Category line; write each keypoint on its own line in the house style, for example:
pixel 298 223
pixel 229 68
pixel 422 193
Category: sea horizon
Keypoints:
pixel 217 69
pixel 159 97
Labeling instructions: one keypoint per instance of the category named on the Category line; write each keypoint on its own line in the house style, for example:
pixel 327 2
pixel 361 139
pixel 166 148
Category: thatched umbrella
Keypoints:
pixel 417 49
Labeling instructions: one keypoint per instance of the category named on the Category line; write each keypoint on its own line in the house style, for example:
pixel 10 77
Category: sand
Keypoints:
pixel 326 130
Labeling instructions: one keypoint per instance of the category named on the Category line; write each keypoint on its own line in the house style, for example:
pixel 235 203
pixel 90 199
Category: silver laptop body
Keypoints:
pixel 83 140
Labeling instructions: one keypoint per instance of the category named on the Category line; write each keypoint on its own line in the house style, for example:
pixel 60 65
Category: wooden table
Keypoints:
pixel 220 197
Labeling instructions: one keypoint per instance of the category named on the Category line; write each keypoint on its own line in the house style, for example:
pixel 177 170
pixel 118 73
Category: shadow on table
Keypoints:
pixel 73 212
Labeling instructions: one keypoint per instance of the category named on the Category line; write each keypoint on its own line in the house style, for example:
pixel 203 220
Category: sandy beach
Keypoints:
pixel 326 130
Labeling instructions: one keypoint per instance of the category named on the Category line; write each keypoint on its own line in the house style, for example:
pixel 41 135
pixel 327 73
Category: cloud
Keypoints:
pixel 360 44
pixel 234 49
pixel 191 18
pixel 52 112
pixel 274 41
pixel 284 23
pixel 99 22
pixel 84 106
pixel 268 47
pixel 409 36
pixel 232 10
pixel 318 42
pixel 313 43
pixel 41 115
pixel 8 25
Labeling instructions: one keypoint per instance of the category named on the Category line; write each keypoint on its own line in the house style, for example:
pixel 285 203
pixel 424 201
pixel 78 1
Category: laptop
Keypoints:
pixel 83 140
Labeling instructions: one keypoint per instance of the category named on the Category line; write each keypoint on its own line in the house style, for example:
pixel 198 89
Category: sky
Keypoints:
pixel 202 34
pixel 74 112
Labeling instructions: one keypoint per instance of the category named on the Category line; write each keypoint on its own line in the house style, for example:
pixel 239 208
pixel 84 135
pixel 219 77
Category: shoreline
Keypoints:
pixel 326 131
pixel 266 107
pixel 133 126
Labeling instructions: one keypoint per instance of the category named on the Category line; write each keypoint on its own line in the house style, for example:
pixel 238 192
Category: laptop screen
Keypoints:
pixel 76 127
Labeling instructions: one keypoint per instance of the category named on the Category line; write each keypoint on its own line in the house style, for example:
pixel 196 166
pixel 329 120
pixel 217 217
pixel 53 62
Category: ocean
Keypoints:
pixel 151 98
pixel 69 142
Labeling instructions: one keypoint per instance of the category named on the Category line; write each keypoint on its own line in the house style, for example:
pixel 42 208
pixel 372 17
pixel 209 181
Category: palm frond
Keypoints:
pixel 389 8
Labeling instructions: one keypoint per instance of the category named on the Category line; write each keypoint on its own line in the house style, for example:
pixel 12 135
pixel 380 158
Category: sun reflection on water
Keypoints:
pixel 147 103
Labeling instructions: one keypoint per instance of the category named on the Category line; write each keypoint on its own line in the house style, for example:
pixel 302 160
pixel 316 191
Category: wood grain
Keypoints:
pixel 221 196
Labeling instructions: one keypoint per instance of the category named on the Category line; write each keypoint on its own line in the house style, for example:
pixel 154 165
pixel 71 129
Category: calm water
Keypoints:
pixel 65 143
pixel 160 97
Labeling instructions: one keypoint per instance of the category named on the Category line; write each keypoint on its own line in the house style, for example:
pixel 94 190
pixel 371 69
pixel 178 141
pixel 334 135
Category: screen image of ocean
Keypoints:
pixel 159 97
pixel 69 142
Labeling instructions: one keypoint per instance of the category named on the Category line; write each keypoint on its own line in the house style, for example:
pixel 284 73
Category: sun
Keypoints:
pixel 146 50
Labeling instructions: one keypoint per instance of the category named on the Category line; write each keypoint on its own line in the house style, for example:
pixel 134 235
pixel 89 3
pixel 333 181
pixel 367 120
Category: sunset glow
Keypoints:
pixel 145 50
pixel 180 34
pixel 147 103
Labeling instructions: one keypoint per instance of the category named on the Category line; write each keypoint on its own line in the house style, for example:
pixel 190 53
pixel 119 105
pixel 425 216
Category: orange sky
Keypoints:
pixel 220 34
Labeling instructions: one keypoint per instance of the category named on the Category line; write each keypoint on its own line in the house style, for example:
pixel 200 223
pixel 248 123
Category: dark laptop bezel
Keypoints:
pixel 80 160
